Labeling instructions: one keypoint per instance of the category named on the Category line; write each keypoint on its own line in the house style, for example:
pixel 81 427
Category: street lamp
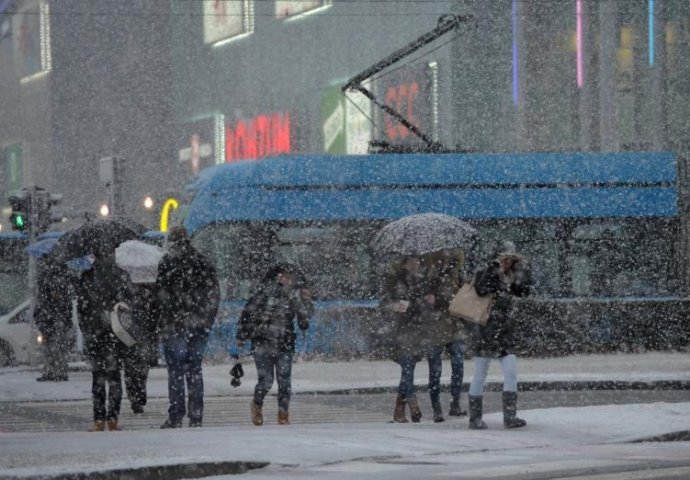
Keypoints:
pixel 104 210
pixel 148 203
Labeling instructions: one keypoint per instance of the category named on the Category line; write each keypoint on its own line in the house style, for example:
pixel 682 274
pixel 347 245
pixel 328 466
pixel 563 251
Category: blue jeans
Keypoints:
pixel 407 365
pixel 457 364
pixel 183 354
pixel 269 361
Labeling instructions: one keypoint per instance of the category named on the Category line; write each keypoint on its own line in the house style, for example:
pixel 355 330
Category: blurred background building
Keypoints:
pixel 173 86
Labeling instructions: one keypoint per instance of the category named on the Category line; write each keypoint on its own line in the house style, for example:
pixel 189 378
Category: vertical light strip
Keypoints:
pixel 433 67
pixel 516 77
pixel 219 138
pixel 651 32
pixel 578 44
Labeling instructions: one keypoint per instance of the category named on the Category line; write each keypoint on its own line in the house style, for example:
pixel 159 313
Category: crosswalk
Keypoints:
pixel 76 415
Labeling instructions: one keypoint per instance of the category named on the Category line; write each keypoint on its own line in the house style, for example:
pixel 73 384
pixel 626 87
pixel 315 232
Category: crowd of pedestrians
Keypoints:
pixel 177 312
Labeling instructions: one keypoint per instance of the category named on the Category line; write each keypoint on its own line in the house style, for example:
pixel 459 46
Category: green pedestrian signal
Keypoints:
pixel 18 221
pixel 21 203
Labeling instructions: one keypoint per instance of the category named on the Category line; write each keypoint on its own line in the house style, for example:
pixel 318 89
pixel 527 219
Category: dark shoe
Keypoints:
pixel 510 419
pixel 283 418
pixel 438 413
pixel 257 415
pixel 415 412
pixel 195 423
pixel 399 412
pixel 171 424
pixel 46 378
pixel 137 409
pixel 476 422
pixel 61 378
pixel 455 410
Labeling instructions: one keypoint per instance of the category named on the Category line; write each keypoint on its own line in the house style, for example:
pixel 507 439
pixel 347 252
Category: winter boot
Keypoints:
pixel 510 419
pixel 257 415
pixel 170 423
pixel 112 425
pixel 415 412
pixel 283 417
pixel 98 426
pixel 455 410
pixel 476 422
pixel 399 412
pixel 195 423
pixel 438 412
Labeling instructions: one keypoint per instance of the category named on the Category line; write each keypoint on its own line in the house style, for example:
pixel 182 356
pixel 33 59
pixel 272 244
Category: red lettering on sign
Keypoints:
pixel 265 135
pixel 402 99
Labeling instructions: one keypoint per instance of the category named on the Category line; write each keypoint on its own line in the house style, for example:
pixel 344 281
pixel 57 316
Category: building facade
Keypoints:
pixel 175 86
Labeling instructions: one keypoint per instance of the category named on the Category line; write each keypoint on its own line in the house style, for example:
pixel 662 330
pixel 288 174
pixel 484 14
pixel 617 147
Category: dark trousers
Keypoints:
pixel 270 363
pixel 184 352
pixel 57 342
pixel 457 364
pixel 105 352
pixel 407 366
pixel 136 367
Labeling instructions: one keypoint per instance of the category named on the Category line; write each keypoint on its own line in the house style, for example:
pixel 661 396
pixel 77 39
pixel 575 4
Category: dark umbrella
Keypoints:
pixel 99 237
pixel 422 234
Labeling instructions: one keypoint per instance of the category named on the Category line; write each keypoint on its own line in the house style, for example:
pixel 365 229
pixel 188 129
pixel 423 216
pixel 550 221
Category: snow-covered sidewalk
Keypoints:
pixel 571 441
pixel 18 384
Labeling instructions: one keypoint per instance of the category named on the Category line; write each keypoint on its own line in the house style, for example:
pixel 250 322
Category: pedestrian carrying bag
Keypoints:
pixel 469 305
pixel 122 323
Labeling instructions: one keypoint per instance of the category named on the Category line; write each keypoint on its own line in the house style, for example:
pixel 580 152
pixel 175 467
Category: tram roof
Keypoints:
pixel 470 186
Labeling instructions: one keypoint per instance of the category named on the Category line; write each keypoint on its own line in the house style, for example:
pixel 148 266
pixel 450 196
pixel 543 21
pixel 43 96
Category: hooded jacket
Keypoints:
pixel 187 293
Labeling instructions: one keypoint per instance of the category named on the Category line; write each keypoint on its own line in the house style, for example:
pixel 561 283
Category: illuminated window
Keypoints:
pixel 225 20
pixel 286 9
pixel 31 40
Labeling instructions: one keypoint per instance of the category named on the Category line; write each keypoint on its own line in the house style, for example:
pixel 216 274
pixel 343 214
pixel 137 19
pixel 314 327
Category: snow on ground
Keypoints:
pixel 18 384
pixel 563 439
pixel 557 438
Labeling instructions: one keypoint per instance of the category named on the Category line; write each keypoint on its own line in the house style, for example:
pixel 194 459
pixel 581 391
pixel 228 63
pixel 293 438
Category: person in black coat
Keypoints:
pixel 53 317
pixel 139 358
pixel 187 297
pixel 100 288
pixel 506 275
pixel 267 320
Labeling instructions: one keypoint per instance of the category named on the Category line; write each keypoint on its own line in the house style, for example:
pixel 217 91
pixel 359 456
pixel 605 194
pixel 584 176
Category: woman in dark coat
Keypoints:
pixel 506 275
pixel 417 292
pixel 100 289
pixel 268 321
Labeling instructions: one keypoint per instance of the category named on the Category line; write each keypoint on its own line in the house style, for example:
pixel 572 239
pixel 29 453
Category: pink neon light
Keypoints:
pixel 578 43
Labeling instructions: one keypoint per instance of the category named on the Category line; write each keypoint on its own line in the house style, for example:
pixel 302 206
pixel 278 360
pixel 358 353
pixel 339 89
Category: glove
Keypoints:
pixel 236 372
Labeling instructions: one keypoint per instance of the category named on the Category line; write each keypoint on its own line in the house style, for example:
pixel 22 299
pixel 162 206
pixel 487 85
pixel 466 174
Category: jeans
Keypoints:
pixel 457 364
pixel 269 361
pixel 481 369
pixel 407 365
pixel 105 353
pixel 184 352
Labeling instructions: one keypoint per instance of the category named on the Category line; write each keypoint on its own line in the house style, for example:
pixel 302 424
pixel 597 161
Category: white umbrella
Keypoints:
pixel 139 259
pixel 423 233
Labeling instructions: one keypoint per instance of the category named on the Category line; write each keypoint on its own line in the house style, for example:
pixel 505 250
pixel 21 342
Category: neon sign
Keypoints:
pixel 169 204
pixel 264 135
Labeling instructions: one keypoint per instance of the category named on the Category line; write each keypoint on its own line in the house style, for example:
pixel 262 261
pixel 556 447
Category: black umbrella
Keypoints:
pixel 99 237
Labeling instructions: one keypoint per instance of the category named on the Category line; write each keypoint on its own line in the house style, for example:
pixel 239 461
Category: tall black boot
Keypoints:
pixel 510 419
pixel 438 411
pixel 455 409
pixel 476 422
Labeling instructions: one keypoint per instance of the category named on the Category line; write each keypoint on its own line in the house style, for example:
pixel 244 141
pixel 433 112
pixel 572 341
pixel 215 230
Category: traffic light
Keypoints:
pixel 41 212
pixel 20 202
pixel 31 209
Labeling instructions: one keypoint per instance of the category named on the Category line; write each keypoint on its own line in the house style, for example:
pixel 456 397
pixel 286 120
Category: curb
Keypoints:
pixel 560 385
pixel 163 472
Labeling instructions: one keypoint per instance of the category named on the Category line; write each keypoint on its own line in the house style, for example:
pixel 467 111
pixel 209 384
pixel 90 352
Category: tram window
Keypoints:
pixel 622 259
